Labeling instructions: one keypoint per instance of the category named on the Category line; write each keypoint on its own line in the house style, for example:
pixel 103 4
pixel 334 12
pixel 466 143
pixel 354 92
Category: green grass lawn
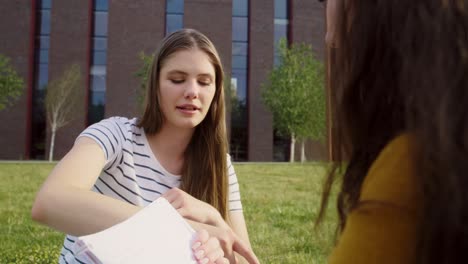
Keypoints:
pixel 280 204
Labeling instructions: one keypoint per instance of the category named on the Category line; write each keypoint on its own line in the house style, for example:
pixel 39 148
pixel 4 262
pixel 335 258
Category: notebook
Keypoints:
pixel 156 234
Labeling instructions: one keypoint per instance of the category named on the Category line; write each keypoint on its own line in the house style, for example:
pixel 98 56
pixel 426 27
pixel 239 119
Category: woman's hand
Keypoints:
pixel 229 241
pixel 192 208
pixel 207 250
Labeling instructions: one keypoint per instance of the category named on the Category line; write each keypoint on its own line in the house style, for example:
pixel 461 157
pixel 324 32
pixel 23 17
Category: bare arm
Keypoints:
pixel 65 201
pixel 240 228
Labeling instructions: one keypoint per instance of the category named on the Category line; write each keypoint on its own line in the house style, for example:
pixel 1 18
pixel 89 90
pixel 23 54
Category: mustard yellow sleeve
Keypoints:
pixel 382 228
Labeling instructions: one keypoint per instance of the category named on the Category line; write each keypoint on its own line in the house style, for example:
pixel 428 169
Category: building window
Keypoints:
pixel 174 15
pixel 98 67
pixel 41 78
pixel 281 22
pixel 238 93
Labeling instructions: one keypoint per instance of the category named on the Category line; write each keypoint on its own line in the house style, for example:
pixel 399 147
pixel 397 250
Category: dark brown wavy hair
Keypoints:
pixel 204 174
pixel 402 66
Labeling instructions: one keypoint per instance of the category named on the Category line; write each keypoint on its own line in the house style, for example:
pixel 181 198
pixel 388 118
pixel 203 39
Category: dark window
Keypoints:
pixel 175 6
pixel 42 42
pixel 240 8
pixel 240 30
pixel 281 9
pixel 45 4
pixel 174 15
pixel 45 22
pixel 41 79
pixel 100 43
pixel 100 24
pixel 97 86
pixel 174 22
pixel 101 5
pixel 42 76
pixel 239 86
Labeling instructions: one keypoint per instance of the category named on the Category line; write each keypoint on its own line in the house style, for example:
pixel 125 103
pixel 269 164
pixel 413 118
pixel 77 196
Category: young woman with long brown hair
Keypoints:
pixel 177 149
pixel 400 95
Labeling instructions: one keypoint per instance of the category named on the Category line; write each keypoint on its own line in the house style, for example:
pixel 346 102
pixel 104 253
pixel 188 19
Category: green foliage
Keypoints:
pixel 11 85
pixel 295 93
pixel 142 74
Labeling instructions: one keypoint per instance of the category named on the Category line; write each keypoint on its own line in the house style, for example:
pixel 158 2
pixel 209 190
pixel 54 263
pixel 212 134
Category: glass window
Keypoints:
pixel 240 8
pixel 45 4
pixel 239 62
pixel 98 82
pixel 99 57
pixel 98 70
pixel 281 31
pixel 100 43
pixel 42 76
pixel 42 42
pixel 101 5
pixel 281 9
pixel 240 29
pixel 44 56
pixel 173 23
pixel 99 97
pixel 239 48
pixel 45 22
pixel 175 6
pixel 241 83
pixel 100 23
pixel 98 66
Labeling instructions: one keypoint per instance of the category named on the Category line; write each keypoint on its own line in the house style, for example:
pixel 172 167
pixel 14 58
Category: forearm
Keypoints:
pixel 79 212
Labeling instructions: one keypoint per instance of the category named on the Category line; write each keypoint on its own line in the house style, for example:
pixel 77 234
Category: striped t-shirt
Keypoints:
pixel 131 172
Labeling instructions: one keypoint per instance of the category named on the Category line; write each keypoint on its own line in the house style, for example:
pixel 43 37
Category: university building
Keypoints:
pixel 105 37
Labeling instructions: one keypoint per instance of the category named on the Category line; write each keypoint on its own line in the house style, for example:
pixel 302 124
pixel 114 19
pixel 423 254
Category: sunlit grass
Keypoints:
pixel 280 205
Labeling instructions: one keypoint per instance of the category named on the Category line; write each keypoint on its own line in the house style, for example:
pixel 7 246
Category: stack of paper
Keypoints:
pixel 156 234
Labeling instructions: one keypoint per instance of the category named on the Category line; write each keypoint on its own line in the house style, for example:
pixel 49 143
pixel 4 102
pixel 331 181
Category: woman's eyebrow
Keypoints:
pixel 206 75
pixel 177 72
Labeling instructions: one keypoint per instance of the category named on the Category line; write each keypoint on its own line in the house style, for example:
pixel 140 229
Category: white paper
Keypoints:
pixel 156 234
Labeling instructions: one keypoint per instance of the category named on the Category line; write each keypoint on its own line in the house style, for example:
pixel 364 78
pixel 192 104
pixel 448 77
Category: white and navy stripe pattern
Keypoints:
pixel 132 173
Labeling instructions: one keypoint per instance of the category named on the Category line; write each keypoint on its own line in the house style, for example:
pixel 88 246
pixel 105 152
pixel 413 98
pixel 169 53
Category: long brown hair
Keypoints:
pixel 204 174
pixel 402 66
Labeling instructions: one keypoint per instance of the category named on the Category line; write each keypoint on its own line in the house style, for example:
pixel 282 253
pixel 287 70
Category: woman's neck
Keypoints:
pixel 169 145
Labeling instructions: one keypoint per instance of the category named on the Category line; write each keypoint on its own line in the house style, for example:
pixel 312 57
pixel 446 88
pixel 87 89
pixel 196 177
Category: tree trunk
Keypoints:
pixel 52 144
pixel 291 149
pixel 303 156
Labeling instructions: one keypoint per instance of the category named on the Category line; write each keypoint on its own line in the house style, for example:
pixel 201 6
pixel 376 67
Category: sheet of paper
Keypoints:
pixel 156 234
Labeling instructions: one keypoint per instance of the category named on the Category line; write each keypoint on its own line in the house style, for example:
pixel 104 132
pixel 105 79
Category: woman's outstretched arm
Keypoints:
pixel 65 201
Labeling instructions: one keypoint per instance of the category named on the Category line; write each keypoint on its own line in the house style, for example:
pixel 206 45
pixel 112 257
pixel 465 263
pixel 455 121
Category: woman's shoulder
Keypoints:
pixel 123 124
pixel 391 178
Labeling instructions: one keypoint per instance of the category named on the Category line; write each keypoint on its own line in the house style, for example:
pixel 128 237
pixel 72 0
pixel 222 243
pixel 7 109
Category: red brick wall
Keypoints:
pixel 260 146
pixel 16 30
pixel 134 26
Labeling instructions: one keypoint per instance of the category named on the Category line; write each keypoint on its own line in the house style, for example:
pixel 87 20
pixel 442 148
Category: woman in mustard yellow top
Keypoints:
pixel 399 82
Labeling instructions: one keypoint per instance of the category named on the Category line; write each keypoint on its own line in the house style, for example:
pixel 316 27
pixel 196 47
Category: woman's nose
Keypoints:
pixel 191 90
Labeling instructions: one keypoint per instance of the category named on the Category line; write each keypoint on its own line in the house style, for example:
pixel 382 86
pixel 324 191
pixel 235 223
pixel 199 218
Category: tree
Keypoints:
pixel 11 85
pixel 295 95
pixel 61 101
pixel 143 74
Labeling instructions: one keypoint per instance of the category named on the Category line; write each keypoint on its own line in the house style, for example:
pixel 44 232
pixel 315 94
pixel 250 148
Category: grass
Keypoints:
pixel 280 204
